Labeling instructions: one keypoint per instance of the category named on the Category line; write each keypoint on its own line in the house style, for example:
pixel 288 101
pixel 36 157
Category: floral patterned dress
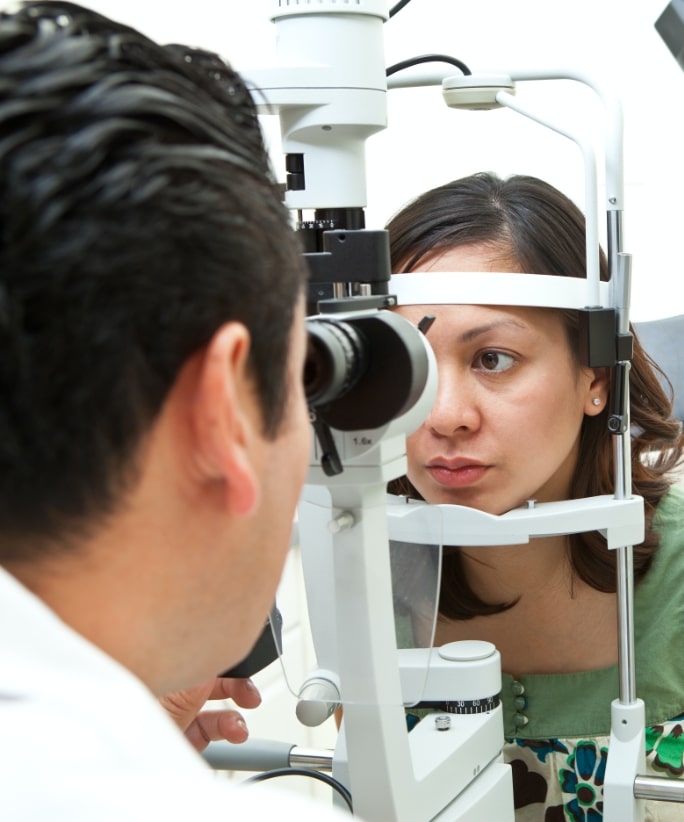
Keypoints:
pixel 561 780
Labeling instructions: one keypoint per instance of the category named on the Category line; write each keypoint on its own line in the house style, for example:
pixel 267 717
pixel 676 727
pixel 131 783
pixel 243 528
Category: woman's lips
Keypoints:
pixel 456 473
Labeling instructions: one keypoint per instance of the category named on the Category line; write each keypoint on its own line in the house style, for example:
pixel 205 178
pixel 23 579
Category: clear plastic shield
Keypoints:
pixel 416 570
pixel 416 565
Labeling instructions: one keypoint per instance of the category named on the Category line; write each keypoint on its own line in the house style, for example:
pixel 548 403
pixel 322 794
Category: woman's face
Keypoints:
pixel 511 398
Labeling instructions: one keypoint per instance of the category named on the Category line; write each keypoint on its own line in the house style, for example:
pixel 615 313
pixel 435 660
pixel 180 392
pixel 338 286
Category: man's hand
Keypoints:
pixel 202 727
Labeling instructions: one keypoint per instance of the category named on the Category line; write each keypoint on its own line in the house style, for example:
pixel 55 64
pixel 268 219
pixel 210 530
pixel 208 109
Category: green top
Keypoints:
pixel 578 704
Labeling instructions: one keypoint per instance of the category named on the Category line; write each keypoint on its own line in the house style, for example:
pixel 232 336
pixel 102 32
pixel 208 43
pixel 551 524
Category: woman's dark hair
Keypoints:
pixel 529 221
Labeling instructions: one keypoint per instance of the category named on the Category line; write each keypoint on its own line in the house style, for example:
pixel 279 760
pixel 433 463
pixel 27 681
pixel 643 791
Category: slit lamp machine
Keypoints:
pixel 371 380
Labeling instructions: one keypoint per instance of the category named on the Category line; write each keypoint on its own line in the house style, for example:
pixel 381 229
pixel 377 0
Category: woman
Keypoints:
pixel 519 417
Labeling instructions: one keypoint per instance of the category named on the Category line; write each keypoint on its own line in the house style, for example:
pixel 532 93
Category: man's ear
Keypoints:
pixel 226 418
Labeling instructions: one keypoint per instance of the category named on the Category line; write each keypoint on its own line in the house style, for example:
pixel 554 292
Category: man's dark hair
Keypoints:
pixel 138 213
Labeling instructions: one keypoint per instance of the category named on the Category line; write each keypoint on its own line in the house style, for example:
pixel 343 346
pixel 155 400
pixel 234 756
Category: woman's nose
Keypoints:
pixel 455 408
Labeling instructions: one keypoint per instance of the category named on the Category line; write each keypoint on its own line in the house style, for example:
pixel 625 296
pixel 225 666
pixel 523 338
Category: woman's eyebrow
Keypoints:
pixel 472 333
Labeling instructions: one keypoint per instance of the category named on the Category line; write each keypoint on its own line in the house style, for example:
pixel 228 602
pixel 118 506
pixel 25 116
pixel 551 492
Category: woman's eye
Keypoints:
pixel 494 361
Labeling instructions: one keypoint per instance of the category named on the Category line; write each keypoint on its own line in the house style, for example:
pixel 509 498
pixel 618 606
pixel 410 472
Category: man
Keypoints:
pixel 153 428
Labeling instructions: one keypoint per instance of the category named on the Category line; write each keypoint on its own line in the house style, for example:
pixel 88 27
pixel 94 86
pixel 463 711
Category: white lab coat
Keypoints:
pixel 82 739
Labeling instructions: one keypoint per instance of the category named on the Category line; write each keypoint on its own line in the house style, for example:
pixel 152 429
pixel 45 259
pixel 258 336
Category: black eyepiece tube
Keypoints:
pixel 336 358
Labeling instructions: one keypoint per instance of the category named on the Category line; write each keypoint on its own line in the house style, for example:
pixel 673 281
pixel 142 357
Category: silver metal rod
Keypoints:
pixel 625 579
pixel 621 273
pixel 309 758
pixel 622 288
pixel 614 240
pixel 660 788
pixel 625 599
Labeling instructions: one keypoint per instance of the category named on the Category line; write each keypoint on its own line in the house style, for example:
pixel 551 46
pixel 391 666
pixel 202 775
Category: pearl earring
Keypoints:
pixel 596 401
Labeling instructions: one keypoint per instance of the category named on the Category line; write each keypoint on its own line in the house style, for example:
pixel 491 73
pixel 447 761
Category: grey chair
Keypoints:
pixel 663 340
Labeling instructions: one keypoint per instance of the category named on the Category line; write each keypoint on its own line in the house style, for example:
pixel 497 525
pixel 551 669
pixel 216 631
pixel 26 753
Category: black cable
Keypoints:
pixel 428 58
pixel 398 7
pixel 323 777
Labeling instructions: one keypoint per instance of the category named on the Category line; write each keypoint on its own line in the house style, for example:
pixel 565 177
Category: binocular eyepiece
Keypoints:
pixel 363 369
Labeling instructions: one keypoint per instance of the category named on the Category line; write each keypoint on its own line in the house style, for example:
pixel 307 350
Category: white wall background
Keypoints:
pixel 427 144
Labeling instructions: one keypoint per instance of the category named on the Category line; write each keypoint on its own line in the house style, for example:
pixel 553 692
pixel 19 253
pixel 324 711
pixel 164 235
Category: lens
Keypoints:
pixel 335 359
